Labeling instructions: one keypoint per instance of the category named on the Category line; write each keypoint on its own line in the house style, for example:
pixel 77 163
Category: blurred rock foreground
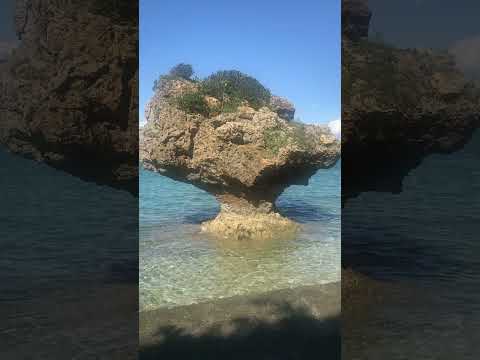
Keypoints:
pixel 398 106
pixel 69 93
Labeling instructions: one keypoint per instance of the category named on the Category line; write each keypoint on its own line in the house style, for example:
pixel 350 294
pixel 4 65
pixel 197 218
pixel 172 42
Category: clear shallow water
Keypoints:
pixel 180 266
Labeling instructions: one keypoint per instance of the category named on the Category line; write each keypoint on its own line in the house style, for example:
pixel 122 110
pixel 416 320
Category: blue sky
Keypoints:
pixel 7 28
pixel 431 23
pixel 438 24
pixel 292 47
pixel 7 11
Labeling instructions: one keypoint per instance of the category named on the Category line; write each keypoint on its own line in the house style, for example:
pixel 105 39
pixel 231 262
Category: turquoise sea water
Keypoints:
pixel 180 266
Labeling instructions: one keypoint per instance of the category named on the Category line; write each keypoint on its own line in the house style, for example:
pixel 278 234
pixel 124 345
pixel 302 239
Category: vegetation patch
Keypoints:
pixel 193 103
pixel 231 88
pixel 277 138
pixel 375 74
pixel 236 87
pixel 178 72
pixel 229 105
pixel 389 77
pixel 299 136
pixel 182 71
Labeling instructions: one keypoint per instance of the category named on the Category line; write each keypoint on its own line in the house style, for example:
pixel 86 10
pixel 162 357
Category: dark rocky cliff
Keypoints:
pixel 398 106
pixel 69 91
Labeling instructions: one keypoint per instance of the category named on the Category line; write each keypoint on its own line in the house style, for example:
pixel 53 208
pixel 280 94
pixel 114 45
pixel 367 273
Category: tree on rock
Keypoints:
pixel 183 71
pixel 179 71
pixel 236 87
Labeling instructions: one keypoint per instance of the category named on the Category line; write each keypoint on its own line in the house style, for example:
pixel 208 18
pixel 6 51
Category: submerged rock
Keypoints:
pixel 246 158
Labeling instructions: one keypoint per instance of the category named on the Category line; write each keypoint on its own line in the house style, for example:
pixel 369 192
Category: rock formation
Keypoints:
pixel 398 106
pixel 282 107
pixel 69 90
pixel 246 158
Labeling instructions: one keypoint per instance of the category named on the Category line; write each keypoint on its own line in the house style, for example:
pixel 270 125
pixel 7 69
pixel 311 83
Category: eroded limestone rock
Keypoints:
pixel 282 107
pixel 245 158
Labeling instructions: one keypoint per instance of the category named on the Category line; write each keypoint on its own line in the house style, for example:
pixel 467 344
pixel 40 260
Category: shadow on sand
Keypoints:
pixel 295 334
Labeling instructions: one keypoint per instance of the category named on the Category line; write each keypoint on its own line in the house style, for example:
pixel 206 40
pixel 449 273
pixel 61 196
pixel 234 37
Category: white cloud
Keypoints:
pixel 335 127
pixel 467 54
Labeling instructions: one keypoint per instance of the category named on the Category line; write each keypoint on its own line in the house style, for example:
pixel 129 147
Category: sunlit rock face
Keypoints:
pixel 246 158
pixel 69 89
pixel 398 106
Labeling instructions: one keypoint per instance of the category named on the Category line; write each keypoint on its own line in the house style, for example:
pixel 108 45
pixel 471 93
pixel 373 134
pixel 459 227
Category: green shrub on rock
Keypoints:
pixel 234 87
pixel 182 71
pixel 231 88
pixel 300 136
pixel 193 103
pixel 277 137
pixel 179 71
pixel 230 105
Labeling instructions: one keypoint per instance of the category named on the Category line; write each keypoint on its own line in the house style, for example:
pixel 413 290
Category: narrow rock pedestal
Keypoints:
pixel 240 219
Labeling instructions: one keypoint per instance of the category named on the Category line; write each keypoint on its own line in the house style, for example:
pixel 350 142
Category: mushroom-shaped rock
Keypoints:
pixel 398 106
pixel 244 158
